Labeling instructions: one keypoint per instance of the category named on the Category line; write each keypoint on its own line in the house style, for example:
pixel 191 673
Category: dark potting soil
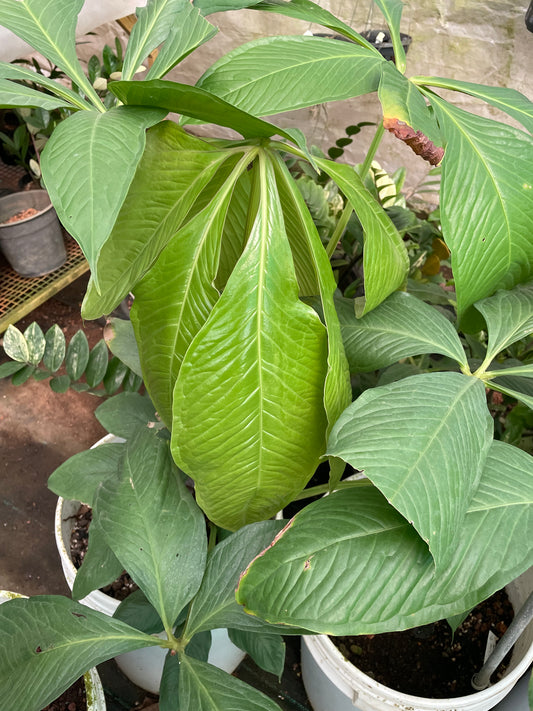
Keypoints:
pixel 73 699
pixel 79 538
pixel 426 661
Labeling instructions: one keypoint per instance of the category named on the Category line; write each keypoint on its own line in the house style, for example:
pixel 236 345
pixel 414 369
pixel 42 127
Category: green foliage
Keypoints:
pixel 41 355
pixel 251 358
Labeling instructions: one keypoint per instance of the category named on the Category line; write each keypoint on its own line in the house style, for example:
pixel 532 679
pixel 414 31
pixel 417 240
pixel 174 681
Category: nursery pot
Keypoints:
pixel 143 667
pixel 332 682
pixel 33 246
pixel 94 692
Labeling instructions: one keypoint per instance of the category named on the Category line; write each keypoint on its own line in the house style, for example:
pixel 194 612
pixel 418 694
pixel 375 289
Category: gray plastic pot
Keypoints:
pixel 33 246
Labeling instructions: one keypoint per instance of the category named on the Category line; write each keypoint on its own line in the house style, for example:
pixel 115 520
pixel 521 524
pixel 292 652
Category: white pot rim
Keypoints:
pixel 323 646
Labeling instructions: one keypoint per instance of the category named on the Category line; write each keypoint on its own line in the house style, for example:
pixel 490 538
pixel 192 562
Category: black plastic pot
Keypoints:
pixel 382 42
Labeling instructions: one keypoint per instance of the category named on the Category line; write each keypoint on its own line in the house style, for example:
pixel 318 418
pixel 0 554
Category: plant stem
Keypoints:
pixel 324 488
pixel 339 229
pixel 372 150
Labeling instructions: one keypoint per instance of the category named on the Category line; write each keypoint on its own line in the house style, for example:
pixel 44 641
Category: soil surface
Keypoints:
pixel 22 215
pixel 426 661
pixel 73 699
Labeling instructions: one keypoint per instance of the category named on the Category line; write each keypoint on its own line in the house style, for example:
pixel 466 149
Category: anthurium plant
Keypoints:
pixel 246 352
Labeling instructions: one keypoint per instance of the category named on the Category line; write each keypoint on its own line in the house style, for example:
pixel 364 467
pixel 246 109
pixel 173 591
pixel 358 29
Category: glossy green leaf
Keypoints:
pixel 15 345
pixel 214 605
pixel 10 368
pixel 125 413
pixel 173 171
pixel 100 566
pixel 486 203
pixel 189 31
pixel 385 259
pixel 310 12
pixel 516 394
pixel 166 556
pixel 204 687
pixel 60 384
pixel 136 611
pixel 170 684
pixel 36 343
pixel 98 154
pixel 36 22
pixel 77 355
pixel 22 375
pixel 55 349
pixel 509 100
pixel 154 22
pixel 97 364
pixel 176 297
pixel 120 339
pixel 392 11
pixel 400 99
pixel 194 102
pixel 48 642
pixel 258 385
pixel 236 228
pixel 337 389
pixel 267 650
pixel 401 326
pixel 16 72
pixel 350 564
pixel 115 374
pixel 275 74
pixel 423 442
pixel 509 318
pixel 79 477
pixel 207 7
pixel 12 94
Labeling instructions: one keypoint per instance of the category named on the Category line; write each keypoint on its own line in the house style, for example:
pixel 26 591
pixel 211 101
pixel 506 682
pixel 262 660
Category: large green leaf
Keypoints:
pixel 486 203
pixel 392 11
pixel 401 99
pixel 196 103
pixel 153 526
pixel 154 23
pixel 204 687
pixel 214 605
pixel 120 339
pixel 189 31
pixel 400 327
pixel 236 228
pixel 249 422
pixel 177 295
pixel 267 650
pixel 173 171
pixel 49 26
pixel 423 442
pixel 88 165
pixel 275 74
pixel 100 565
pixel 48 642
pixel 207 7
pixel 509 100
pixel 509 318
pixel 79 477
pixel 12 94
pixel 385 259
pixel 310 12
pixel 14 71
pixel 337 389
pixel 350 564
pixel 125 413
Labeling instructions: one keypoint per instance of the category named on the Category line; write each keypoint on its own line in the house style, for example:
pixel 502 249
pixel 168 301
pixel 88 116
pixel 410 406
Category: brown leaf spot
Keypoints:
pixel 416 140
pixel 38 650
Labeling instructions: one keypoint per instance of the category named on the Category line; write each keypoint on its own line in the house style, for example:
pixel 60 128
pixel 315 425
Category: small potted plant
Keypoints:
pixel 252 384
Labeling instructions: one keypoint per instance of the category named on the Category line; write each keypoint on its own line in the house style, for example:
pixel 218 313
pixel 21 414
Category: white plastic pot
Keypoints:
pixel 143 666
pixel 333 683
pixel 94 692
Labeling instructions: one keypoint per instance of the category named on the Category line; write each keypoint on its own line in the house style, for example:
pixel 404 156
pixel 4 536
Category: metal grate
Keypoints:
pixel 21 295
